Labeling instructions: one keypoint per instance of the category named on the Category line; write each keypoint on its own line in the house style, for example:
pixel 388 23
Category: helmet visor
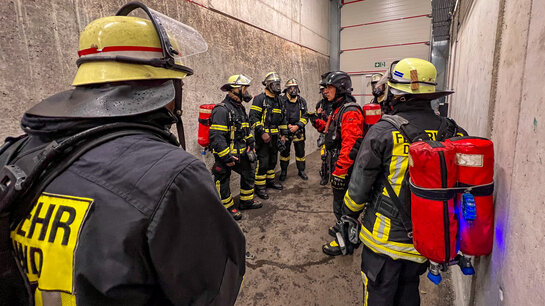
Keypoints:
pixel 185 40
pixel 242 80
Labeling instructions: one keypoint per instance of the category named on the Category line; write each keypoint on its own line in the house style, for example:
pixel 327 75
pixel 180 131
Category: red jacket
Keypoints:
pixel 351 130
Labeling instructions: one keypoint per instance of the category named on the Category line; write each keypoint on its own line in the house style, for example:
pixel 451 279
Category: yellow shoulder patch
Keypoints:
pixel 45 242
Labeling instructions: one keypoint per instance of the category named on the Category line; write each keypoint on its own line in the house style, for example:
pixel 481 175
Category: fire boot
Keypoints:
pixel 235 213
pixel 324 180
pixel 283 174
pixel 261 192
pixel 324 174
pixel 302 174
pixel 274 184
pixel 332 248
pixel 250 204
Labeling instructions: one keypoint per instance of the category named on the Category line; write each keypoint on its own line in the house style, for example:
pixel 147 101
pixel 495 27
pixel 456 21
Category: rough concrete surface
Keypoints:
pixel 40 42
pixel 514 273
pixel 289 268
pixel 473 68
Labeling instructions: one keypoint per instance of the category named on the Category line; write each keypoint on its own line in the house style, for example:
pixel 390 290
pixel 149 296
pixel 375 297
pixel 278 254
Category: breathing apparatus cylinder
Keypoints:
pixel 432 168
pixel 205 112
pixel 371 113
pixel 475 163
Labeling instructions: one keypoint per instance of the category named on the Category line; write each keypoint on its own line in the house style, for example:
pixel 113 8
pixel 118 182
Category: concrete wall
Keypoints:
pixel 512 114
pixel 40 38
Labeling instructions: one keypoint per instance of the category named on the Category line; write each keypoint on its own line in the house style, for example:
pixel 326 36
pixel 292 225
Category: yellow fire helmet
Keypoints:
pixel 376 77
pixel 130 59
pixel 414 76
pixel 291 82
pixel 271 77
pixel 236 81
pixel 126 48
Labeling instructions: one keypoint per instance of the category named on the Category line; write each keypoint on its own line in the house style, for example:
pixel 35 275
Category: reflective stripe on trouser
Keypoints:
pixel 299 155
pixel 267 157
pixel 365 292
pixel 54 298
pixel 222 176
pixel 246 195
pixel 390 282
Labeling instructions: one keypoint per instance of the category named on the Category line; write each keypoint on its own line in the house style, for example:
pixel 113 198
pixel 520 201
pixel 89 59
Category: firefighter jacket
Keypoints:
pixel 133 221
pixel 267 115
pixel 343 134
pixel 230 133
pixel 296 110
pixel 384 155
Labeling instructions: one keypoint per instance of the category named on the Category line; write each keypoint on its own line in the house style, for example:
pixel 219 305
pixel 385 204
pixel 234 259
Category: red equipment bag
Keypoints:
pixel 432 169
pixel 371 113
pixel 475 163
pixel 205 113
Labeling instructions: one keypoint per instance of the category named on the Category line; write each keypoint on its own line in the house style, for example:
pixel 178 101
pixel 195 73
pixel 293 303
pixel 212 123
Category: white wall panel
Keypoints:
pixel 378 32
pixel 388 33
pixel 380 10
pixel 380 59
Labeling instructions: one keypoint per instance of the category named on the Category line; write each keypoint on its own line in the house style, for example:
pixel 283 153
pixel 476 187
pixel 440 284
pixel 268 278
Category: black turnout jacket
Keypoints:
pixel 134 221
pixel 230 132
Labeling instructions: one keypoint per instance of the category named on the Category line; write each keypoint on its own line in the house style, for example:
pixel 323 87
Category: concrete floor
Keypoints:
pixel 289 268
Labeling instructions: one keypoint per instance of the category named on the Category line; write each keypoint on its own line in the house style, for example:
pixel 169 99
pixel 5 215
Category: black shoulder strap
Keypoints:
pixel 343 109
pixel 402 209
pixel 410 131
pixel 10 148
pixel 412 134
pixel 230 112
pixel 447 129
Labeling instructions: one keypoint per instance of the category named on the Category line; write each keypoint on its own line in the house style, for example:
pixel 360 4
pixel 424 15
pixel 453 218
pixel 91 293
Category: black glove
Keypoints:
pixel 339 182
pixel 348 234
pixel 312 117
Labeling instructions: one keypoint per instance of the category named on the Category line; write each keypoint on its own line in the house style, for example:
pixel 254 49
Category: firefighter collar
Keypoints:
pixel 269 93
pixel 291 99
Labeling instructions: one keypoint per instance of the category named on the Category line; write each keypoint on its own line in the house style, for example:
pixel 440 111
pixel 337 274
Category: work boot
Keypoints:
pixel 303 175
pixel 332 248
pixel 324 180
pixel 235 213
pixel 325 177
pixel 274 184
pixel 283 175
pixel 250 204
pixel 261 192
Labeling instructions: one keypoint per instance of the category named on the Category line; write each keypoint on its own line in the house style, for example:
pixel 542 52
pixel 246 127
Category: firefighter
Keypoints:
pixel 296 114
pixel 323 110
pixel 391 265
pixel 233 145
pixel 344 131
pixel 134 220
pixel 377 90
pixel 268 119
pixel 381 94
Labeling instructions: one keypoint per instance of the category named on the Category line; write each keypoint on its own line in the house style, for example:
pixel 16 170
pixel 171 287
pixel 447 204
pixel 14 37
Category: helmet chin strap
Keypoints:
pixel 178 84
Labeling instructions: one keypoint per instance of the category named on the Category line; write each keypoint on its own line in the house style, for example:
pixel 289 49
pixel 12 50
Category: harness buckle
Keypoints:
pixel 12 179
